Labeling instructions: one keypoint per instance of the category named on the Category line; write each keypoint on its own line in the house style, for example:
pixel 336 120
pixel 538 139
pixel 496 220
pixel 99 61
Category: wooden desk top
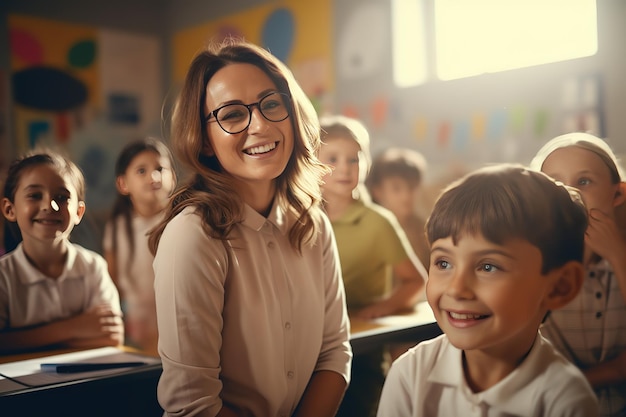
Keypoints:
pixel 42 353
pixel 421 315
pixel 413 327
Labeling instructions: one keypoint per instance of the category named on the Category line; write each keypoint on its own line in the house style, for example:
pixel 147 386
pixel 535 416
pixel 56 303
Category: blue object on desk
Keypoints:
pixel 67 368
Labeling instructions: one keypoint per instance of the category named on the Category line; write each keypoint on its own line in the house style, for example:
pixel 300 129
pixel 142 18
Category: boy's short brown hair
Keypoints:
pixel 397 162
pixel 508 201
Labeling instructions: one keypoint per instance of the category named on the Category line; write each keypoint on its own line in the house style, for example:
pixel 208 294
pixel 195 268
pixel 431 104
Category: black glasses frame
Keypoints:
pixel 286 100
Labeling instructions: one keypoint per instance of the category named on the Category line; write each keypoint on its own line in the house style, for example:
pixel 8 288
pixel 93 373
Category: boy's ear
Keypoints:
pixel 620 194
pixel 566 284
pixel 120 184
pixel 8 210
pixel 80 212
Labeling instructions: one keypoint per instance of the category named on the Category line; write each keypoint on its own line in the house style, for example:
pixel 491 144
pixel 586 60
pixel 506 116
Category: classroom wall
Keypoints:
pixel 121 29
pixel 521 99
pixel 518 109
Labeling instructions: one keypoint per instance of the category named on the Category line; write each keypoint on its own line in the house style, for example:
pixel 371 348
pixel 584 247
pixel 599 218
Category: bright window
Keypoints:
pixel 482 36
pixel 409 46
pixel 478 36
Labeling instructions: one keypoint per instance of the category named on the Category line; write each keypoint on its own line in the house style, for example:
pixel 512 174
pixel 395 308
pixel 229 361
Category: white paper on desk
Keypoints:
pixel 395 320
pixel 29 372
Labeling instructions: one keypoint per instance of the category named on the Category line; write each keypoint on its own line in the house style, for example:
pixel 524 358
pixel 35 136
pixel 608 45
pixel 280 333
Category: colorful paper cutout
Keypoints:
pixel 278 33
pixel 443 135
pixel 379 110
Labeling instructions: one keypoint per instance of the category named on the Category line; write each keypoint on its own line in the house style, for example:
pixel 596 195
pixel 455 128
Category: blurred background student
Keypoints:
pixel 144 180
pixel 52 292
pixel 591 330
pixel 394 182
pixel 373 249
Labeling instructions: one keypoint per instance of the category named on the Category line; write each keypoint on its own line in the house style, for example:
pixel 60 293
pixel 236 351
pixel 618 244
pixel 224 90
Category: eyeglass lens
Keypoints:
pixel 235 118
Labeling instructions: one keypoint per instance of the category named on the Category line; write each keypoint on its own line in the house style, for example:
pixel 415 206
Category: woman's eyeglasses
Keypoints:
pixel 235 118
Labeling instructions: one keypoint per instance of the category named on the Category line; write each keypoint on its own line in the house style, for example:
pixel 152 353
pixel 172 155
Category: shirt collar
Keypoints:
pixel 33 275
pixel 278 217
pixel 510 395
pixel 353 214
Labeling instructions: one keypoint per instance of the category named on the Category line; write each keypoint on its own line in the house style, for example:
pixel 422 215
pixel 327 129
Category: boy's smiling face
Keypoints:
pixel 46 207
pixel 486 296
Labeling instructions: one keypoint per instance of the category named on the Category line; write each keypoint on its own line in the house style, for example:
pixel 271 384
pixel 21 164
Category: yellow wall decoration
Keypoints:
pixel 297 32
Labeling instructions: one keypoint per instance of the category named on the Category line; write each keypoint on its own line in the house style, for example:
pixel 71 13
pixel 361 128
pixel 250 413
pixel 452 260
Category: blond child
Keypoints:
pixel 373 249
pixel 394 181
pixel 372 246
pixel 591 330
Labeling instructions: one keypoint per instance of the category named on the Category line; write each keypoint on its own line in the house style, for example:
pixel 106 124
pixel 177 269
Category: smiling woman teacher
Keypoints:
pixel 250 302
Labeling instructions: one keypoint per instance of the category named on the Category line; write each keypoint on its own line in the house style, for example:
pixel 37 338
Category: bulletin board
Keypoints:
pixel 54 71
pixel 85 90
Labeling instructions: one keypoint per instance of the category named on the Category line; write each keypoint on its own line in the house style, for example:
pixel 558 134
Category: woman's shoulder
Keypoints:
pixel 186 230
pixel 324 224
pixel 186 218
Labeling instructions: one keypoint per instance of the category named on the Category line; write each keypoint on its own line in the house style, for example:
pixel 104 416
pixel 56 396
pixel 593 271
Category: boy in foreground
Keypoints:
pixel 506 248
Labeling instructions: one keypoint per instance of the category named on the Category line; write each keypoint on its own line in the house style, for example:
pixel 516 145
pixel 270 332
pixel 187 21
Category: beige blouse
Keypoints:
pixel 247 321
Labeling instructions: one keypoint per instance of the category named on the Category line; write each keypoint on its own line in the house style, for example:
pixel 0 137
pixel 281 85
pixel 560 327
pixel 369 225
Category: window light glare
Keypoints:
pixel 408 50
pixel 497 35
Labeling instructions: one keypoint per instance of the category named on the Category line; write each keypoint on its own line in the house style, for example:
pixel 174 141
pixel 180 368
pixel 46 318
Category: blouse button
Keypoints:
pixel 290 374
pixel 598 295
pixel 287 325
pixel 598 314
pixel 270 245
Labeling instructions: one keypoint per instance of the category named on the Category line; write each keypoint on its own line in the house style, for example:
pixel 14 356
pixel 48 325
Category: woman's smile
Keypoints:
pixel 261 149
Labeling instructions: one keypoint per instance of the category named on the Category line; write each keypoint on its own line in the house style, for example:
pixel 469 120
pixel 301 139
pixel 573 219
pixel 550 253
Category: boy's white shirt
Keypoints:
pixel 28 297
pixel 428 381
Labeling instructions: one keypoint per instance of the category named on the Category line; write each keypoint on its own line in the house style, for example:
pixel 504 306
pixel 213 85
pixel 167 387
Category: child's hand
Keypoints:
pixel 95 343
pixel 100 323
pixel 603 236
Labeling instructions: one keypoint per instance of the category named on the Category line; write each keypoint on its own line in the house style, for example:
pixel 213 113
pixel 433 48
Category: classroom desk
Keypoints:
pixel 132 392
pixel 129 392
pixel 411 327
